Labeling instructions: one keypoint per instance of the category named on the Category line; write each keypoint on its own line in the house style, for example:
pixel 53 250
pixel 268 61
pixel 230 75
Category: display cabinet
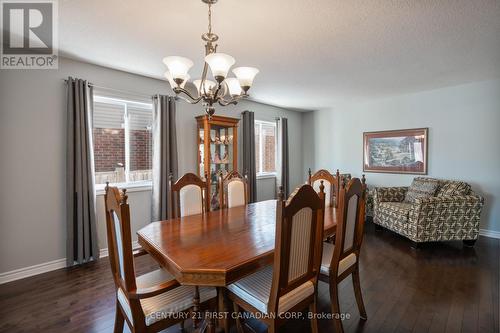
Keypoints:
pixel 217 151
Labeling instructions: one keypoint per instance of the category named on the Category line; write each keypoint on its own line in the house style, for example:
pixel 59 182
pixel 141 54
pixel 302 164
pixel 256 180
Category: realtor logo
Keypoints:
pixel 29 34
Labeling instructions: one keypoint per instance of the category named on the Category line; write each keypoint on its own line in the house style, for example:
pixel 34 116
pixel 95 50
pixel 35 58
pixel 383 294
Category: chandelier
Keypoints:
pixel 224 90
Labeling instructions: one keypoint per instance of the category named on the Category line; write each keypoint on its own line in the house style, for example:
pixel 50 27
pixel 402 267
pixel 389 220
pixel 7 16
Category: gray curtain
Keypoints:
pixel 248 138
pixel 164 155
pixel 81 244
pixel 283 173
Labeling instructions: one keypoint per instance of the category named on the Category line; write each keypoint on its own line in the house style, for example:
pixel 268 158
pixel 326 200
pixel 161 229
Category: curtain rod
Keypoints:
pixel 117 90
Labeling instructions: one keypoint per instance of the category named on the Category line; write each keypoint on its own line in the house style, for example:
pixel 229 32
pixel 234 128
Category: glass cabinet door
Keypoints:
pixel 217 151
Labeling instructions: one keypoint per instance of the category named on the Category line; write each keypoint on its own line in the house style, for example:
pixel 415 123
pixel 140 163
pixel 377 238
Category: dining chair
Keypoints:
pixel 233 190
pixel 190 195
pixel 290 284
pixel 149 302
pixel 342 258
pixel 331 183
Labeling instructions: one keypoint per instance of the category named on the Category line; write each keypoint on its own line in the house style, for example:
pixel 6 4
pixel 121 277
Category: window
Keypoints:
pixel 265 148
pixel 122 141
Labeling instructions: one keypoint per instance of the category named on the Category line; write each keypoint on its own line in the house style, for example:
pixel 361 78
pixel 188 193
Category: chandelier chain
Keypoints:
pixel 209 18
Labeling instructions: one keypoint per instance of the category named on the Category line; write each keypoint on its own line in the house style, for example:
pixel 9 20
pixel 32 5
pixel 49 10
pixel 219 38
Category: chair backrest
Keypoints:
pixel 331 183
pixel 233 190
pixel 298 245
pixel 121 256
pixel 350 221
pixel 190 196
pixel 119 238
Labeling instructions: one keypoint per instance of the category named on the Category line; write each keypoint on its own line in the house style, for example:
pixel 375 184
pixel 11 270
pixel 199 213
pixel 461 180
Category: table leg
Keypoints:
pixel 196 307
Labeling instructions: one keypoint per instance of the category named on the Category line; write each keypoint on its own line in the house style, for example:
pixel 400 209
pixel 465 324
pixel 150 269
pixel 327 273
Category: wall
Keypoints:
pixel 33 150
pixel 464 137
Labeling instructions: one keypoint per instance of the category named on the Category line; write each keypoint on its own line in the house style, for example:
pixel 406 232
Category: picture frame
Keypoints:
pixel 396 151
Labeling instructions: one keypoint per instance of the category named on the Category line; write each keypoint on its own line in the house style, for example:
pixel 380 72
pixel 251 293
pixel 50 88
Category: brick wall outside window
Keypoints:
pixel 268 164
pixel 109 148
pixel 140 150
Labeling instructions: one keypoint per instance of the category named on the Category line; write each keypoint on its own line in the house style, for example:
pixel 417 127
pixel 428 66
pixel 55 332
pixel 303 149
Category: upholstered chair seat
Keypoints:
pixel 255 289
pixel 326 260
pixel 173 301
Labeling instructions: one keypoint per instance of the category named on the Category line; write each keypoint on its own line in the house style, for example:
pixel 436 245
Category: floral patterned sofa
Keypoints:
pixel 452 212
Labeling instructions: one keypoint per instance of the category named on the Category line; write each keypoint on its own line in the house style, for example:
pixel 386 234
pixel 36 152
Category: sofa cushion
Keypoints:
pixel 453 188
pixel 421 188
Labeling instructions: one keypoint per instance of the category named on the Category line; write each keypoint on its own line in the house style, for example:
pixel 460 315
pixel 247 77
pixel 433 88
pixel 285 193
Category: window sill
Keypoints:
pixel 266 176
pixel 131 187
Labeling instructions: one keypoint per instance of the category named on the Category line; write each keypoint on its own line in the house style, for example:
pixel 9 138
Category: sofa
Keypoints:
pixel 438 210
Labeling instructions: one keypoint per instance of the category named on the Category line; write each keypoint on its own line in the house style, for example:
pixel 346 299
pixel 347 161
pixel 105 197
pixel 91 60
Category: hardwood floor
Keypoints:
pixel 442 287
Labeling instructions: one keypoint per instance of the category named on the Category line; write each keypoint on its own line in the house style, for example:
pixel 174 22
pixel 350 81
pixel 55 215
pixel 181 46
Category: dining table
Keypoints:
pixel 219 247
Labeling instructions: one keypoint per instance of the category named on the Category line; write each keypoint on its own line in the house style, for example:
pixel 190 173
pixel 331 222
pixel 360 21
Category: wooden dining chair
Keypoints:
pixel 190 195
pixel 149 302
pixel 233 190
pixel 331 183
pixel 290 284
pixel 342 258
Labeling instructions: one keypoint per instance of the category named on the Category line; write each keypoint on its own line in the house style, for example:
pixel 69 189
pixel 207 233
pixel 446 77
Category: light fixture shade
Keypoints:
pixel 219 63
pixel 172 82
pixel 178 67
pixel 233 85
pixel 208 85
pixel 245 76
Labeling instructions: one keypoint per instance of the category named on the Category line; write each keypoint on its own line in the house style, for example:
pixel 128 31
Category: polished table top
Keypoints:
pixel 219 247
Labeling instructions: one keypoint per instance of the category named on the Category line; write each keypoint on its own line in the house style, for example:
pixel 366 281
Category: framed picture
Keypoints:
pixel 399 151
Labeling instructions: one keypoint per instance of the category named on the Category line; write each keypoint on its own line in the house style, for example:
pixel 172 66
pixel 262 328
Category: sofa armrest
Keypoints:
pixel 389 194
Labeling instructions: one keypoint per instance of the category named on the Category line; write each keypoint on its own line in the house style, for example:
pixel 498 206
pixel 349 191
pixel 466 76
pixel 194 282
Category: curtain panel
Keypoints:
pixel 282 168
pixel 165 161
pixel 81 245
pixel 248 138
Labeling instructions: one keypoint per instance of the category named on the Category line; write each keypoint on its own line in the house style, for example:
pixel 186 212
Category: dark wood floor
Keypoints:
pixel 439 288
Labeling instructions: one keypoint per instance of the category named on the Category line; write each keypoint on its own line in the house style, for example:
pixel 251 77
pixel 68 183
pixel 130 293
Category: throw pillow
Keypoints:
pixel 421 188
pixel 454 188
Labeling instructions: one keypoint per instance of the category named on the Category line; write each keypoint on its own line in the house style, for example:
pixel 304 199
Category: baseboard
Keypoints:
pixel 489 233
pixel 104 252
pixel 25 272
pixel 45 267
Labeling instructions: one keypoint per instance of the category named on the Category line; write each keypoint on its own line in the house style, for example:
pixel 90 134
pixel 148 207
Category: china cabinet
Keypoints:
pixel 217 139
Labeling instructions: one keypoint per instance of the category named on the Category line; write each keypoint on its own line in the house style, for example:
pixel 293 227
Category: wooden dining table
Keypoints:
pixel 219 247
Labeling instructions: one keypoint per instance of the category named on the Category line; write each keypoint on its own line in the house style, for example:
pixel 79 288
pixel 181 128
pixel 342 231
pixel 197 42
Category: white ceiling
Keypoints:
pixel 311 53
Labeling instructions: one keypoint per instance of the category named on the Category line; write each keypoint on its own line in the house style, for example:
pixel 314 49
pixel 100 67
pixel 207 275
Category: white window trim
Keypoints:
pixel 140 186
pixel 136 186
pixel 259 174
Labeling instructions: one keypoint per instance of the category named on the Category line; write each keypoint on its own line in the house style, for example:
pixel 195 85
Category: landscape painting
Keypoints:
pixel 398 151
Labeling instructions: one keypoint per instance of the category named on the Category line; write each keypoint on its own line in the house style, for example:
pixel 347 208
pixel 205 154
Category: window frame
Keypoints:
pixel 140 185
pixel 260 149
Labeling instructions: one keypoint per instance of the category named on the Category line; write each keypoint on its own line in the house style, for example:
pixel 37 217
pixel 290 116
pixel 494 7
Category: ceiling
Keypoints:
pixel 311 54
